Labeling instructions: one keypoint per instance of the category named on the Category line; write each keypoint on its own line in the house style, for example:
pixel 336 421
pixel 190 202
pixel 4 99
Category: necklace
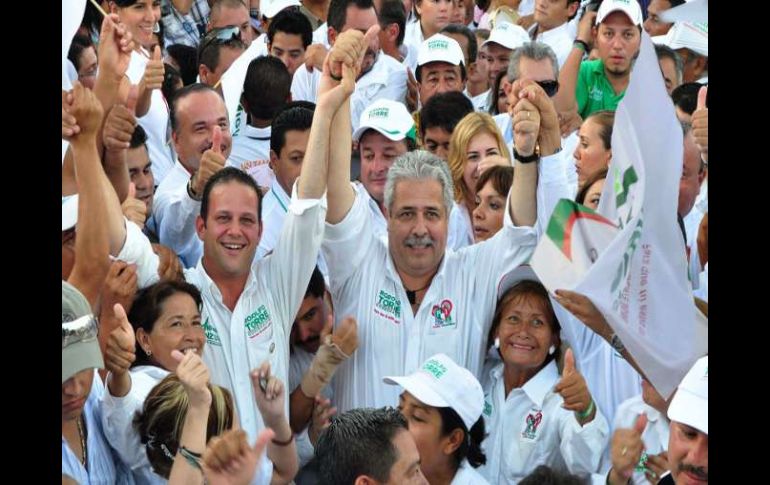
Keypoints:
pixel 83 442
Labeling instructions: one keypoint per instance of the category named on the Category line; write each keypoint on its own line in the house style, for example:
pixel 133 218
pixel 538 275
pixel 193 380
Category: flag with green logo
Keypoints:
pixel 629 257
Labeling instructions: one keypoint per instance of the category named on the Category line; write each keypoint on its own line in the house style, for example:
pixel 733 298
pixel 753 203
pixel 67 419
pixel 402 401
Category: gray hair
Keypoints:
pixel 417 165
pixel 537 51
pixel 663 51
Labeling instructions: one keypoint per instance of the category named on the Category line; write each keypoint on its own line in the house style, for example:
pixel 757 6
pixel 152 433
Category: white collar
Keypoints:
pixel 560 31
pixel 257 133
pixel 538 386
pixel 279 193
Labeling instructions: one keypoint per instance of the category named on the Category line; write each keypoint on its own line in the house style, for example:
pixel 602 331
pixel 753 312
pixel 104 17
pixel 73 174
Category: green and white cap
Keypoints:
pixel 387 117
pixel 508 35
pixel 629 7
pixel 440 48
pixel 441 383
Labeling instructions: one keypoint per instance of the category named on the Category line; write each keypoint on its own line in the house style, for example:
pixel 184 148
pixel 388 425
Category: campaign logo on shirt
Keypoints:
pixel 388 306
pixel 258 322
pixel 212 336
pixel 442 315
pixel 487 409
pixel 532 422
pixel 596 94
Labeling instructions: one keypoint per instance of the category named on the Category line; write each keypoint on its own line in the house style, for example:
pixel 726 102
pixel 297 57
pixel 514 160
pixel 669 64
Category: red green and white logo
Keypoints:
pixel 575 229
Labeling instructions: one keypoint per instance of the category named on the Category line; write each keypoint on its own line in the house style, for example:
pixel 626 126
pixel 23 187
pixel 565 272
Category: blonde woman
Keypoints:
pixel 475 137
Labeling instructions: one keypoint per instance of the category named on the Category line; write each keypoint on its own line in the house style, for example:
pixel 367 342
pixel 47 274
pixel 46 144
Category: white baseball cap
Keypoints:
pixel 441 383
pixel 69 211
pixel 629 7
pixel 690 405
pixel 508 35
pixel 440 48
pixel 687 35
pixel 389 118
pixel 691 11
pixel 510 279
pixel 270 8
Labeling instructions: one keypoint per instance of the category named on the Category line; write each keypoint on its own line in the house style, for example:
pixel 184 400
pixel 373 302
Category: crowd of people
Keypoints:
pixel 330 284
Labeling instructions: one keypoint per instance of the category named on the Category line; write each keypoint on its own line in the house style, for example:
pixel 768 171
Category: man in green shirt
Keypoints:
pixel 591 86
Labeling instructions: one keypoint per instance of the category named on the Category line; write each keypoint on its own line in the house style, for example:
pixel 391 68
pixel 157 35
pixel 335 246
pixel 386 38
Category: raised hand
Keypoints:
pixel 115 46
pixel 120 285
pixel 154 72
pixel 700 124
pixel 169 267
pixel 270 399
pixel 314 57
pixel 322 414
pixel 573 389
pixel 492 161
pixel 134 209
pixel 584 309
pixel 120 123
pixel 120 351
pixel 69 125
pixel 625 450
pixel 87 111
pixel 656 466
pixel 229 460
pixel 586 28
pixel 194 376
pixel 211 162
pixel 346 336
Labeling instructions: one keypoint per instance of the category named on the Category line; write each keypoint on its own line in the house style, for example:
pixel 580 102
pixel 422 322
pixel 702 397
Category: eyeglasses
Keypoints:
pixel 219 35
pixel 83 329
pixel 550 87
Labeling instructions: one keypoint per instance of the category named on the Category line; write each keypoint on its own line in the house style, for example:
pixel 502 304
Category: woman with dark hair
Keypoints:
pixel 82 54
pixel 443 402
pixel 594 149
pixel 499 104
pixel 591 191
pixel 535 416
pixel 492 189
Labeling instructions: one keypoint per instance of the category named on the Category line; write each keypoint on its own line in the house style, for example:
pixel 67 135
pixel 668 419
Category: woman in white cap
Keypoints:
pixel 86 456
pixel 535 416
pixel 442 403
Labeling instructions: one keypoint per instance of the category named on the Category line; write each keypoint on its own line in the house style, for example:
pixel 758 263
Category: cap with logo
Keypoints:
pixel 690 405
pixel 440 48
pixel 687 35
pixel 508 35
pixel 629 7
pixel 441 383
pixel 79 330
pixel 387 117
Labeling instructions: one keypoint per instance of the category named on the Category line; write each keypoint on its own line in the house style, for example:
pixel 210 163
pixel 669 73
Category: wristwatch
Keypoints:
pixel 616 343
pixel 191 193
pixel 528 159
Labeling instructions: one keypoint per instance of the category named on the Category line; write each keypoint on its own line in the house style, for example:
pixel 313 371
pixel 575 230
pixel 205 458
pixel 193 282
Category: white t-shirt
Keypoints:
pixel 155 123
pixel 251 153
pixel 530 427
pixel 559 39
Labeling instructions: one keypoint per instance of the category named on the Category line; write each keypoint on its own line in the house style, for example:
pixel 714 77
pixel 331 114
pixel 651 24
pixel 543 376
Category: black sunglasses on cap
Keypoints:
pixel 550 87
pixel 219 35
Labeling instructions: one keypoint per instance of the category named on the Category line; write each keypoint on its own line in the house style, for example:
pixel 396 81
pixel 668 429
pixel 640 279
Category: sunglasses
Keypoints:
pixel 219 35
pixel 550 87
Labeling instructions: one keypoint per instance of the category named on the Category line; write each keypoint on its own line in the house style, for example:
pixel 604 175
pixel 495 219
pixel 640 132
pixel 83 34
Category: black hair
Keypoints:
pixel 445 110
pixel 209 54
pixel 543 475
pixel 664 51
pixel 316 286
pixel 226 175
pixel 183 93
pixel 359 442
pixel 291 21
pixel 171 78
pixel 138 138
pixel 295 118
pixel 186 58
pixel 496 92
pixel 266 88
pixel 685 96
pixel 470 447
pixel 392 12
pixel 148 305
pixel 79 44
pixel 338 11
pixel 473 45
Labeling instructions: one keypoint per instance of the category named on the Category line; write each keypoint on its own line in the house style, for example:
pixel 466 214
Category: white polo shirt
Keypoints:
pixel 454 317
pixel 175 214
pixel 559 39
pixel 529 428
pixel 251 153
pixel 386 79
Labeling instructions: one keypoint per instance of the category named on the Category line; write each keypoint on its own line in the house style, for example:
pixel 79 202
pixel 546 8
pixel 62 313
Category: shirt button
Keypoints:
pixel 272 347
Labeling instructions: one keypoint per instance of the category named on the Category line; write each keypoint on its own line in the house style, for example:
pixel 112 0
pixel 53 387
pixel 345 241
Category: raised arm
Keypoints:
pixel 565 99
pixel 119 126
pixel 151 80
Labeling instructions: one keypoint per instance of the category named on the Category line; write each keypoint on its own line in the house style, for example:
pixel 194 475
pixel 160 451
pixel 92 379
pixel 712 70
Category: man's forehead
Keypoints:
pixel 436 133
pixel 200 106
pixel 359 18
pixel 434 67
pixel 495 49
pixel 421 194
pixel 533 70
pixel 617 20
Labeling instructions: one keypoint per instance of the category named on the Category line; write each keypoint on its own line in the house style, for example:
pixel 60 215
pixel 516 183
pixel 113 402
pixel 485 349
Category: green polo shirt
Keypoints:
pixel 593 91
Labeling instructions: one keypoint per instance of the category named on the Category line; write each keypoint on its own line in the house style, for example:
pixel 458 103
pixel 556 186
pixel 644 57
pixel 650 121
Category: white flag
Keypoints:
pixel 639 279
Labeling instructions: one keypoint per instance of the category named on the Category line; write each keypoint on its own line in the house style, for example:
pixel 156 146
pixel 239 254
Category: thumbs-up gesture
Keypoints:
pixel 154 71
pixel 211 162
pixel 625 450
pixel 700 124
pixel 120 123
pixel 194 376
pixel 120 352
pixel 269 394
pixel 333 351
pixel 573 389
pixel 134 209
pixel 229 460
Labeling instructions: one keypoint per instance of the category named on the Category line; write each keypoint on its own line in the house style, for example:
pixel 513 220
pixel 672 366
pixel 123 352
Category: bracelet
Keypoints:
pixel 587 412
pixel 283 443
pixel 582 45
pixel 336 78
pixel 192 458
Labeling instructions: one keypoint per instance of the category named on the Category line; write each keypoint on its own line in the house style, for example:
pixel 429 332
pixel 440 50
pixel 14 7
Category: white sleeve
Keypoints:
pixel 301 85
pixel 138 250
pixel 552 185
pixel 294 257
pixel 582 446
pixel 346 243
pixel 118 423
pixel 583 341
pixel 175 216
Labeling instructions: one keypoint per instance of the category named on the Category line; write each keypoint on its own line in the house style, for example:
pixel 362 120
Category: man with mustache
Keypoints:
pixel 381 76
pixel 413 297
pixel 688 444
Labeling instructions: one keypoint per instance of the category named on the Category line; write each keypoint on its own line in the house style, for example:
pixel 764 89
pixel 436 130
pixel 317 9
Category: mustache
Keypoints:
pixel 698 471
pixel 413 241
